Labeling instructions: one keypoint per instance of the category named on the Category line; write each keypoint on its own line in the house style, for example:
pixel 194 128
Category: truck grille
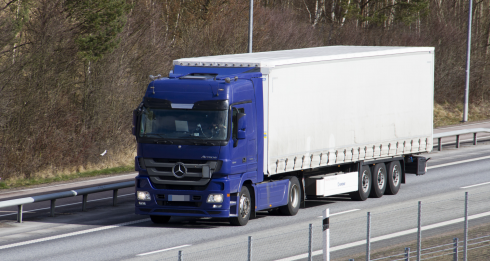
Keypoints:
pixel 177 187
pixel 181 172
pixel 180 160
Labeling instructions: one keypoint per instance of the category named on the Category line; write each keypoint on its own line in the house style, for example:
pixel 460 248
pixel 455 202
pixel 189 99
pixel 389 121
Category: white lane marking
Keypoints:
pixel 458 162
pixel 132 174
pixel 343 212
pixel 393 235
pixel 476 185
pixel 163 250
pixel 71 204
pixel 73 233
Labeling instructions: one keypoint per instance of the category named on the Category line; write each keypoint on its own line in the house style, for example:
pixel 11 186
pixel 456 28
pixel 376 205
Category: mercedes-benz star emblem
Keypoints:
pixel 179 170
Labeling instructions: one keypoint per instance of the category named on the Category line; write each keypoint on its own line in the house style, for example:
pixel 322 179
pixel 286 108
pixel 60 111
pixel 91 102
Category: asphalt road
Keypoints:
pixel 115 233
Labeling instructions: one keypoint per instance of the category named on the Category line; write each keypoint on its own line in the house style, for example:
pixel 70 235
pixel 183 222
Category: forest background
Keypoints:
pixel 72 71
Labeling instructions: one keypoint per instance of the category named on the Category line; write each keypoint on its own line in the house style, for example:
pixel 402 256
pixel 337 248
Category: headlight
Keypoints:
pixel 143 195
pixel 215 198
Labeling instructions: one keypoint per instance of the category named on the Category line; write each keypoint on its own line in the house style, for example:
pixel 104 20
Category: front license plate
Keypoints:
pixel 179 198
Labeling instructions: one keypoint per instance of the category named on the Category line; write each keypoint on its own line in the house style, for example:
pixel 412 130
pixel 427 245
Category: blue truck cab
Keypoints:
pixel 199 139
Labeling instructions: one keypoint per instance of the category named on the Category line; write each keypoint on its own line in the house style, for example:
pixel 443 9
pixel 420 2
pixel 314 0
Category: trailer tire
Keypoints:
pixel 159 219
pixel 379 180
pixel 294 198
pixel 244 208
pixel 394 170
pixel 364 185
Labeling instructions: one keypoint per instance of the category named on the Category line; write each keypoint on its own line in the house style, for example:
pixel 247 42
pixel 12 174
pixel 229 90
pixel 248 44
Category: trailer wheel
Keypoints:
pixel 294 198
pixel 160 219
pixel 379 180
pixel 394 178
pixel 244 208
pixel 364 185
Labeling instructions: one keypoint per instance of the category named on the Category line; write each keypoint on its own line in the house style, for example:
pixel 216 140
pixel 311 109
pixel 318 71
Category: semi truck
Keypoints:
pixel 226 136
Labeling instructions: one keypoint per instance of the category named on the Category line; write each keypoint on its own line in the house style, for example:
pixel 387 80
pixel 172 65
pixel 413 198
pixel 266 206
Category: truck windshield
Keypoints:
pixel 184 124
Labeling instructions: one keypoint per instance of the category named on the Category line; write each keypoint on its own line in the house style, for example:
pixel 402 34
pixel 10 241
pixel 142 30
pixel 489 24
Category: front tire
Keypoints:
pixel 379 180
pixel 160 219
pixel 394 178
pixel 294 198
pixel 244 208
pixel 364 185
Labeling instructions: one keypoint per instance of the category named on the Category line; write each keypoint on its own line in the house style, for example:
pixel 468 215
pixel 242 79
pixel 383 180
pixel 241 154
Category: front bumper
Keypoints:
pixel 190 203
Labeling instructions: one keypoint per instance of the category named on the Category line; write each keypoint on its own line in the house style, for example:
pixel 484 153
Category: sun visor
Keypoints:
pixel 211 105
pixel 157 103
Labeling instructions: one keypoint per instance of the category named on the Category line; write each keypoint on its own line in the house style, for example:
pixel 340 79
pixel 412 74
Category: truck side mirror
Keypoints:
pixel 135 119
pixel 242 121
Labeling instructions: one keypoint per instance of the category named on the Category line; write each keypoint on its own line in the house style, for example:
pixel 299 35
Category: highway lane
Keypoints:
pixel 83 236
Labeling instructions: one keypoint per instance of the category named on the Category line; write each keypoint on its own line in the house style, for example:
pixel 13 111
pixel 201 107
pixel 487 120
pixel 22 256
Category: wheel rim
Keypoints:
pixel 365 181
pixel 294 195
pixel 244 206
pixel 381 178
pixel 396 175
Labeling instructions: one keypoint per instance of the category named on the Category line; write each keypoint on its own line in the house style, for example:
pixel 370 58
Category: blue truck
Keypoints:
pixel 227 136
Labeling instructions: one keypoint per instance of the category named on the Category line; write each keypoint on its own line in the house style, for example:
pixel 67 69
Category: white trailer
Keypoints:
pixel 333 115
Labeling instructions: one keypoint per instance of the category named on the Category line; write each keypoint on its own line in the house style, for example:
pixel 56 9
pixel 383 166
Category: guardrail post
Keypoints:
pixel 181 256
pixel 19 213
pixel 249 248
pixel 439 144
pixel 465 245
pixel 407 254
pixel 457 141
pixel 310 235
pixel 326 234
pixel 368 237
pixel 474 138
pixel 419 232
pixel 53 202
pixel 114 197
pixel 455 250
pixel 84 202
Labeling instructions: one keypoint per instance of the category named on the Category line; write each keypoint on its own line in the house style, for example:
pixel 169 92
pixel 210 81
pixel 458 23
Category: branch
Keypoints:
pixel 15 47
pixel 7 5
pixel 367 2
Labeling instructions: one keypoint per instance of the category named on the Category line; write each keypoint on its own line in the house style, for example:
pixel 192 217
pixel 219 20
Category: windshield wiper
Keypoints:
pixel 163 141
pixel 204 143
pixel 155 134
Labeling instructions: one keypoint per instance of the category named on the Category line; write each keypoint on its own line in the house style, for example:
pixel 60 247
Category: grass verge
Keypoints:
pixel 15 183
pixel 450 114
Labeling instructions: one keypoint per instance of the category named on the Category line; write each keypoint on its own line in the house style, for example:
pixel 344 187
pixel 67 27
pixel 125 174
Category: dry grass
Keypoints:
pixel 450 114
pixel 112 164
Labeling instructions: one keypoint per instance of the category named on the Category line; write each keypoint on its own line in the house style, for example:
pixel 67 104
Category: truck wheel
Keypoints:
pixel 160 219
pixel 294 198
pixel 244 208
pixel 379 180
pixel 364 187
pixel 394 178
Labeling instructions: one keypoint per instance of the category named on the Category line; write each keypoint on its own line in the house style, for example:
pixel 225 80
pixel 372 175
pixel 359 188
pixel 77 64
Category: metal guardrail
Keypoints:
pixel 20 202
pixel 116 186
pixel 457 133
